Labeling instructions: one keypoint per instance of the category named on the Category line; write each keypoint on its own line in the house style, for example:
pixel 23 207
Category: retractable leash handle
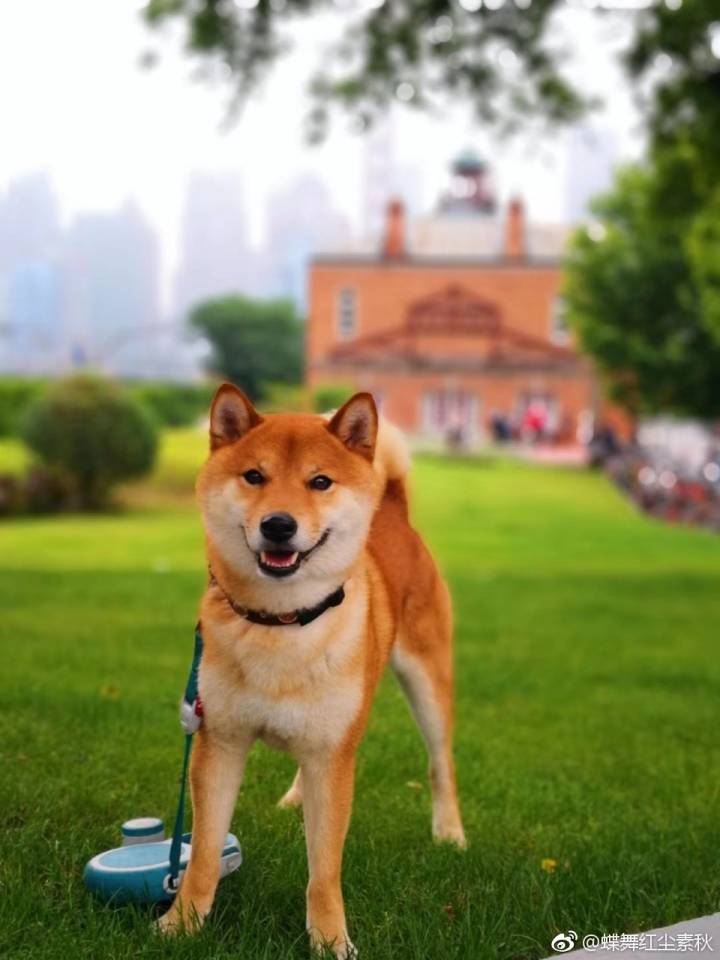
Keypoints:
pixel 190 720
pixel 148 869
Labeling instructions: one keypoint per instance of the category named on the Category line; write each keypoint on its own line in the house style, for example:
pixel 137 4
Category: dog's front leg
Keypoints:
pixel 327 800
pixel 216 772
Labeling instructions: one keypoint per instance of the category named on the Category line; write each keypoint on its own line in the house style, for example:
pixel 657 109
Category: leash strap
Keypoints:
pixel 190 720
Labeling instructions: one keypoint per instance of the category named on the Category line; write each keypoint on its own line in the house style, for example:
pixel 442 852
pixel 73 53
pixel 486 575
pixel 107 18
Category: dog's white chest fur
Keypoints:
pixel 300 694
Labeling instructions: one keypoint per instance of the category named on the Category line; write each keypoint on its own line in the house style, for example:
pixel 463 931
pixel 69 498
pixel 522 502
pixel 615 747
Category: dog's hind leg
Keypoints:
pixel 422 660
pixel 294 796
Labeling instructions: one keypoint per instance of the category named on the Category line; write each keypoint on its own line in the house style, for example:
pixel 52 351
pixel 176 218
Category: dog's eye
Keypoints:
pixel 253 477
pixel 320 482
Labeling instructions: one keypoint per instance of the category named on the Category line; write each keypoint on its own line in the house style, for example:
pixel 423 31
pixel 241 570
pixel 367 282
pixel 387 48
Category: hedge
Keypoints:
pixel 171 404
pixel 15 396
pixel 174 404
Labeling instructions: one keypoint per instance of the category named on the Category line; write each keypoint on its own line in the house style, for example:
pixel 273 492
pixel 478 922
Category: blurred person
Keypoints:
pixel 604 446
pixel 456 438
pixel 534 421
pixel 500 427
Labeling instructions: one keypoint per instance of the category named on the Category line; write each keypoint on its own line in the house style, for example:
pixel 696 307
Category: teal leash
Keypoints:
pixel 190 720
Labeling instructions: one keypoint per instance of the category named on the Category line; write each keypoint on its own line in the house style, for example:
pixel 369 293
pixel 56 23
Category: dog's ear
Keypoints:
pixel 356 424
pixel 231 416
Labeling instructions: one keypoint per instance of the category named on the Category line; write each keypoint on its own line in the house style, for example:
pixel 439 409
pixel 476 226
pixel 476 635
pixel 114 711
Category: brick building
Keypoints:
pixel 455 321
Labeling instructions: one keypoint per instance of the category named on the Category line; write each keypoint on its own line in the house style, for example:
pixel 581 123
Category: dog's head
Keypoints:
pixel 287 499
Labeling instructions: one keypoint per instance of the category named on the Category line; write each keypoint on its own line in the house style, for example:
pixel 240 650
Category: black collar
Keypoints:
pixel 292 618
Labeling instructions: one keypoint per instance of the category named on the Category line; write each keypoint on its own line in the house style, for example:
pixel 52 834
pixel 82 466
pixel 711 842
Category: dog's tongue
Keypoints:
pixel 278 559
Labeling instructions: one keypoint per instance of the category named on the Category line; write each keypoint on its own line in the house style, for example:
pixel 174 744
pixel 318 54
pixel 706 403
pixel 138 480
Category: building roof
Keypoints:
pixel 444 262
pixel 445 240
pixel 466 226
pixel 452 312
pixel 468 160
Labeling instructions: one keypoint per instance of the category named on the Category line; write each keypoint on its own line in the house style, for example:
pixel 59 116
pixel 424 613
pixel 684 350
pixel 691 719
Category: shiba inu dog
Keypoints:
pixel 317 581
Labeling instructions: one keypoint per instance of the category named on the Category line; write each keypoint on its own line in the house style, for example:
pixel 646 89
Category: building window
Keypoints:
pixel 559 329
pixel 347 314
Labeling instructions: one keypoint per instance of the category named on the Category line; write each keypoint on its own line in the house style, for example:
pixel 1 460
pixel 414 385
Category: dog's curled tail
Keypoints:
pixel 392 456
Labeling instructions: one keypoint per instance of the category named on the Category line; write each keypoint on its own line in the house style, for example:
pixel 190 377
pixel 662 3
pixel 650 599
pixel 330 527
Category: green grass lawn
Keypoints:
pixel 588 684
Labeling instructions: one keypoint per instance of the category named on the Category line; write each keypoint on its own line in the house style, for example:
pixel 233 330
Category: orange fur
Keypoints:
pixel 308 689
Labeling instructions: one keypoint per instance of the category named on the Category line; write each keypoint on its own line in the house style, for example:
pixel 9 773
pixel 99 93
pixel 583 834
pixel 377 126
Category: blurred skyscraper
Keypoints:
pixel 30 276
pixel 215 253
pixel 591 158
pixel 300 222
pixel 111 269
pixel 33 305
pixel 29 222
pixel 385 178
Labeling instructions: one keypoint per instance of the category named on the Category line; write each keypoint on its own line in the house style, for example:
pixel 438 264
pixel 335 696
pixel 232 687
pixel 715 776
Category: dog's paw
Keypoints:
pixel 177 923
pixel 342 947
pixel 293 798
pixel 450 833
pixel 170 924
pixel 345 950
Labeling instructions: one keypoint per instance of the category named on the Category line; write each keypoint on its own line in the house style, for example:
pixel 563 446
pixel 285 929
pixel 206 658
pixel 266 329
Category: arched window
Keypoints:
pixel 347 314
pixel 559 329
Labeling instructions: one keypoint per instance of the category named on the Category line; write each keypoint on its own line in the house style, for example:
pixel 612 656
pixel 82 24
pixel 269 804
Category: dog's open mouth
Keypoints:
pixel 278 562
pixel 283 563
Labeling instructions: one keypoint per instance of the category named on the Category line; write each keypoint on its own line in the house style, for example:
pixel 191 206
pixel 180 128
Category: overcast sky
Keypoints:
pixel 74 102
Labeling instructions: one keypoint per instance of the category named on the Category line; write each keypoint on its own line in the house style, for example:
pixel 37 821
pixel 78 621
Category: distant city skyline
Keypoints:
pixel 215 249
pixel 123 202
pixel 108 132
pixel 84 294
pixel 88 293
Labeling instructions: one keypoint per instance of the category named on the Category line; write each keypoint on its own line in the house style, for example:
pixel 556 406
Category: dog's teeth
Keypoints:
pixel 278 559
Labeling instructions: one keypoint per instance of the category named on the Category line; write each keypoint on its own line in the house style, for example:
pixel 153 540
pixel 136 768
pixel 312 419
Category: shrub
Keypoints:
pixel 285 397
pixel 10 496
pixel 174 404
pixel 93 432
pixel 39 490
pixel 16 393
pixel 45 490
pixel 330 396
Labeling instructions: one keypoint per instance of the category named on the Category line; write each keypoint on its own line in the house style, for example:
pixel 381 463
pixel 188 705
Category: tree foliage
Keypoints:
pixel 93 432
pixel 633 296
pixel 428 50
pixel 644 282
pixel 704 251
pixel 417 50
pixel 646 298
pixel 330 396
pixel 676 55
pixel 255 343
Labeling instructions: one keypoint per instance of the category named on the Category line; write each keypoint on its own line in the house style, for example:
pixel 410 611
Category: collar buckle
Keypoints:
pixel 287 617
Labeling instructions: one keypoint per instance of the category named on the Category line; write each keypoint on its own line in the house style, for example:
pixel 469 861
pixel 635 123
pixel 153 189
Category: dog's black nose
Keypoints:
pixel 278 527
